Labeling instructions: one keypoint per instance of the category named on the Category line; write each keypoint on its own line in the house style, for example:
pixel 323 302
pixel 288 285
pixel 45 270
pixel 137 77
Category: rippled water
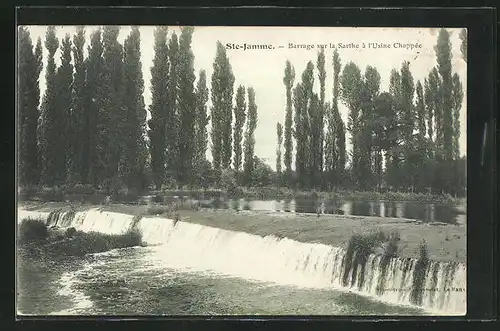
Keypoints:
pixel 132 282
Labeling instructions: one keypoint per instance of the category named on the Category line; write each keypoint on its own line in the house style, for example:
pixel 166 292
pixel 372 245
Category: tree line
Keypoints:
pixel 91 126
pixel 406 138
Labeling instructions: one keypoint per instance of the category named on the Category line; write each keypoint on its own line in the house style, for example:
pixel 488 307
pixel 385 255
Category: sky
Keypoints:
pixel 263 69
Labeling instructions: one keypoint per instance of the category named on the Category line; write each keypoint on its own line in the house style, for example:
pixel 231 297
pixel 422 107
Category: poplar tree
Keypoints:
pixel 338 126
pixel 111 138
pixel 407 123
pixel 308 122
pixel 279 132
pixel 300 134
pixel 28 98
pixel 457 99
pixel 420 112
pixel 239 122
pixel 367 151
pixel 172 116
pixel 49 135
pixel 288 80
pixel 133 162
pixel 221 111
pixel 202 119
pixel 79 116
pixel 443 54
pixel 463 45
pixel 159 106
pixel 351 87
pixel 66 139
pixel 186 107
pixel 320 64
pixel 431 99
pixel 251 125
pixel 394 155
pixel 94 102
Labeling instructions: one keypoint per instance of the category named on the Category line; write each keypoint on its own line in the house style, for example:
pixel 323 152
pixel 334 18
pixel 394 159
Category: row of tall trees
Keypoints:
pixel 91 127
pixel 406 138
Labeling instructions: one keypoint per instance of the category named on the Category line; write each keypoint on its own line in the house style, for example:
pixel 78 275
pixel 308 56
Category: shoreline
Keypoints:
pixel 445 242
pixel 260 193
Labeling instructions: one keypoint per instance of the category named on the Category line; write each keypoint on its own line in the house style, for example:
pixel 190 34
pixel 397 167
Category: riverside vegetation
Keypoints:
pixel 35 237
pixel 403 140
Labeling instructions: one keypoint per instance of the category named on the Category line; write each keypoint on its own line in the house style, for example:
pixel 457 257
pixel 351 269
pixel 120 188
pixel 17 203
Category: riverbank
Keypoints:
pixel 444 242
pixel 89 194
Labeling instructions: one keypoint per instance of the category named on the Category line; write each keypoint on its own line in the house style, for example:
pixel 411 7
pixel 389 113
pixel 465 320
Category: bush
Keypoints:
pixel 94 242
pixel 32 230
pixel 359 248
pixel 419 274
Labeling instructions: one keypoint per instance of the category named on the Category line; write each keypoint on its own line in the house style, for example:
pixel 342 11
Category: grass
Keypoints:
pixel 35 236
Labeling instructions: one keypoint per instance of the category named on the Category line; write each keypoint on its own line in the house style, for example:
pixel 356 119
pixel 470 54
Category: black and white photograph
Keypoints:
pixel 241 170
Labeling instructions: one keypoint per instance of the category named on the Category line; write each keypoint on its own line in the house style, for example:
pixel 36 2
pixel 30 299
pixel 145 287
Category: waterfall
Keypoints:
pixel 282 260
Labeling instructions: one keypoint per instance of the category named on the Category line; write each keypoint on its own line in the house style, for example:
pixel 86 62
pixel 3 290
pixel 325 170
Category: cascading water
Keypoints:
pixel 281 260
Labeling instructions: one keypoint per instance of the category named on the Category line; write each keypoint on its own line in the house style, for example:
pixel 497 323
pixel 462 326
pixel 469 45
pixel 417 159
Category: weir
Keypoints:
pixel 441 288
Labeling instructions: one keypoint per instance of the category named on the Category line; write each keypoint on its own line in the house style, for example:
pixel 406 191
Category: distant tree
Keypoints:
pixel 463 45
pixel 186 108
pixel 443 54
pixel 172 121
pixel 94 101
pixel 221 111
pixel 202 118
pixel 51 156
pixel 432 104
pixel 288 80
pixel 300 134
pixel 279 132
pixel 262 174
pixel 407 123
pixel 332 136
pixel 159 107
pixel 394 154
pixel 239 122
pixel 29 68
pixel 133 163
pixel 420 112
pixel 79 116
pixel 64 95
pixel 351 88
pixel 339 159
pixel 385 133
pixel 309 125
pixel 111 133
pixel 320 64
pixel 369 94
pixel 251 125
pixel 457 99
pixel 314 144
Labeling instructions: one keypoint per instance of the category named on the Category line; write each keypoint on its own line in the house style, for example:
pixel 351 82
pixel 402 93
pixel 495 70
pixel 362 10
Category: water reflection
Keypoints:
pixel 426 212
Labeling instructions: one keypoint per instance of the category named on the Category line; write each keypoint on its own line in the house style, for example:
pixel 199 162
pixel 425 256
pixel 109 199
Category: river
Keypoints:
pixel 192 269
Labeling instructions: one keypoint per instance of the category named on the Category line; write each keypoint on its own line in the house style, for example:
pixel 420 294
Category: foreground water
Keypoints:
pixel 196 269
pixel 134 282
